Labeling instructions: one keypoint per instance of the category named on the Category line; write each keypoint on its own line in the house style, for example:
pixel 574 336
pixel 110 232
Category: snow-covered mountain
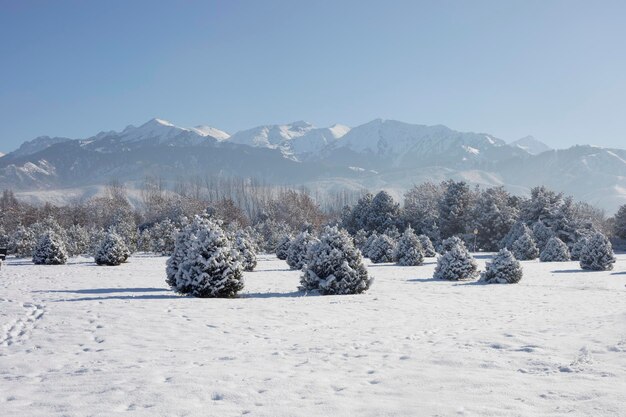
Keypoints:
pixel 379 154
pixel 531 145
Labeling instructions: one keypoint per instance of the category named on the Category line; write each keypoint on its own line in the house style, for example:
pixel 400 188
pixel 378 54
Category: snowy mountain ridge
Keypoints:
pixel 531 145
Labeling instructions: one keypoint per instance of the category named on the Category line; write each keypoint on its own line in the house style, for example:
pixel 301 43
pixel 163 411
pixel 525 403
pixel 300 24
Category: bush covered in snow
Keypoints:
pixel 360 238
pixel 112 250
pixel 204 264
pixel 597 254
pixel 427 246
pixel 49 250
pixel 542 234
pixel 555 251
pixel 77 240
pixel 408 251
pixel 515 233
pixel 450 243
pixel 283 247
pixel 381 249
pixel 163 237
pixel 22 242
pixel 577 247
pixel 503 269
pixel 296 254
pixel 334 265
pixel 524 248
pixel 246 250
pixel 456 264
pixel 365 250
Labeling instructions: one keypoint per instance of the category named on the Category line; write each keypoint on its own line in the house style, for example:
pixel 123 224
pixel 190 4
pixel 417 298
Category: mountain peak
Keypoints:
pixel 530 145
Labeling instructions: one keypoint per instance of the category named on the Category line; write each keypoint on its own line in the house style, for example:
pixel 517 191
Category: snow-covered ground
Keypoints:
pixel 83 340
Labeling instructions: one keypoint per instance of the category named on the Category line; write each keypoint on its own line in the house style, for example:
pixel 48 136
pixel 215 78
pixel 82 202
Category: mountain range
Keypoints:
pixel 381 154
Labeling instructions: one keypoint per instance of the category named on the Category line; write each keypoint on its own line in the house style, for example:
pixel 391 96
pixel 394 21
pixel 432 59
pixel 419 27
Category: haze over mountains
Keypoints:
pixel 379 154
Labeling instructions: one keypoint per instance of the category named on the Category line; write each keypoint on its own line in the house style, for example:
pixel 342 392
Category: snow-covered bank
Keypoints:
pixel 80 340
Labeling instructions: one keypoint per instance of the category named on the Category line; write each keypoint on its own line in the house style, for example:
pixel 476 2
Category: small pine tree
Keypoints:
pixel 515 233
pixel 368 244
pixel 409 251
pixel 382 249
pixel 244 247
pixel 77 240
pixel 283 247
pixel 577 247
pixel 163 237
pixel 503 269
pixel 296 254
pixel 555 251
pixel 597 254
pixel 204 263
pixel 451 242
pixel 49 250
pixel 334 265
pixel 360 238
pixel 525 248
pixel 112 250
pixel 427 246
pixel 542 234
pixel 22 242
pixel 456 264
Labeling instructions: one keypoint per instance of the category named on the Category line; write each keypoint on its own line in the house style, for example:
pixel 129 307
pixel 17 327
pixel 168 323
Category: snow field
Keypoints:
pixel 79 340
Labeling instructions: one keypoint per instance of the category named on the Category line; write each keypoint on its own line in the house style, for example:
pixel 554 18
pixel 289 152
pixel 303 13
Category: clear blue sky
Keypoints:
pixel 553 69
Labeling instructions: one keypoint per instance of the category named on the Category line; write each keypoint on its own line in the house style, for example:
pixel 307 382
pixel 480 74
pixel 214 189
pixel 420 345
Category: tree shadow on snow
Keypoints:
pixel 618 273
pixel 569 271
pixel 124 297
pixel 293 294
pixel 430 279
pixel 275 270
pixel 104 290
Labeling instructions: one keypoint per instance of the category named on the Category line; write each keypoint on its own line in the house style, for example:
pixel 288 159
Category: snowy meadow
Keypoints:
pixel 81 339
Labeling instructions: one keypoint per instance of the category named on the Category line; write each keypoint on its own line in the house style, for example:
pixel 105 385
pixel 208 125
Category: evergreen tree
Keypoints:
pixel 296 254
pixel 514 233
pixel 456 264
pixel 163 237
pixel 283 247
pixel 49 250
pixel 542 234
pixel 357 218
pixel 525 248
pixel 409 251
pixel 454 208
pixel 555 251
pixel 578 247
pixel 246 250
pixel 620 222
pixel 206 264
pixel 493 216
pixel 383 213
pixel 427 246
pixel 77 240
pixel 503 269
pixel 597 254
pixel 451 242
pixel 22 242
pixel 368 244
pixel 382 249
pixel 360 239
pixel 334 265
pixel 112 250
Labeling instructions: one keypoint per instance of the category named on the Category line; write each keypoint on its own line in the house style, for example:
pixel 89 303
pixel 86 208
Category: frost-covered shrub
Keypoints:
pixel 77 240
pixel 22 242
pixel 163 237
pixel 49 250
pixel 204 264
pixel 525 248
pixel 393 233
pixel 451 242
pixel 555 251
pixel 246 250
pixel 408 251
pixel 334 265
pixel 296 254
pixel 112 250
pixel 269 232
pixel 577 247
pixel 381 249
pixel 597 254
pixel 503 269
pixel 283 247
pixel 456 264
pixel 368 244
pixel 427 246
pixel 96 236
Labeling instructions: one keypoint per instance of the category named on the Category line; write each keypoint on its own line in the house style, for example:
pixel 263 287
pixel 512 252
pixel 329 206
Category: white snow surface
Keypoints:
pixel 79 340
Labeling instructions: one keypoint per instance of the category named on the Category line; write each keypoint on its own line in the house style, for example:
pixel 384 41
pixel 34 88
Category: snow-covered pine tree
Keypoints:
pixel 427 246
pixel 22 242
pixel 49 250
pixel 524 248
pixel 334 265
pixel 456 264
pixel 77 240
pixel 383 212
pixel 360 238
pixel 382 249
pixel 409 251
pixel 393 233
pixel 296 254
pixel 493 215
pixel 112 250
pixel 578 246
pixel 283 247
pixel 96 236
pixel 515 233
pixel 555 251
pixel 503 269
pixel 209 266
pixel 542 234
pixel 620 222
pixel 451 242
pixel 368 244
pixel 163 236
pixel 244 246
pixel 597 254
pixel 454 208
